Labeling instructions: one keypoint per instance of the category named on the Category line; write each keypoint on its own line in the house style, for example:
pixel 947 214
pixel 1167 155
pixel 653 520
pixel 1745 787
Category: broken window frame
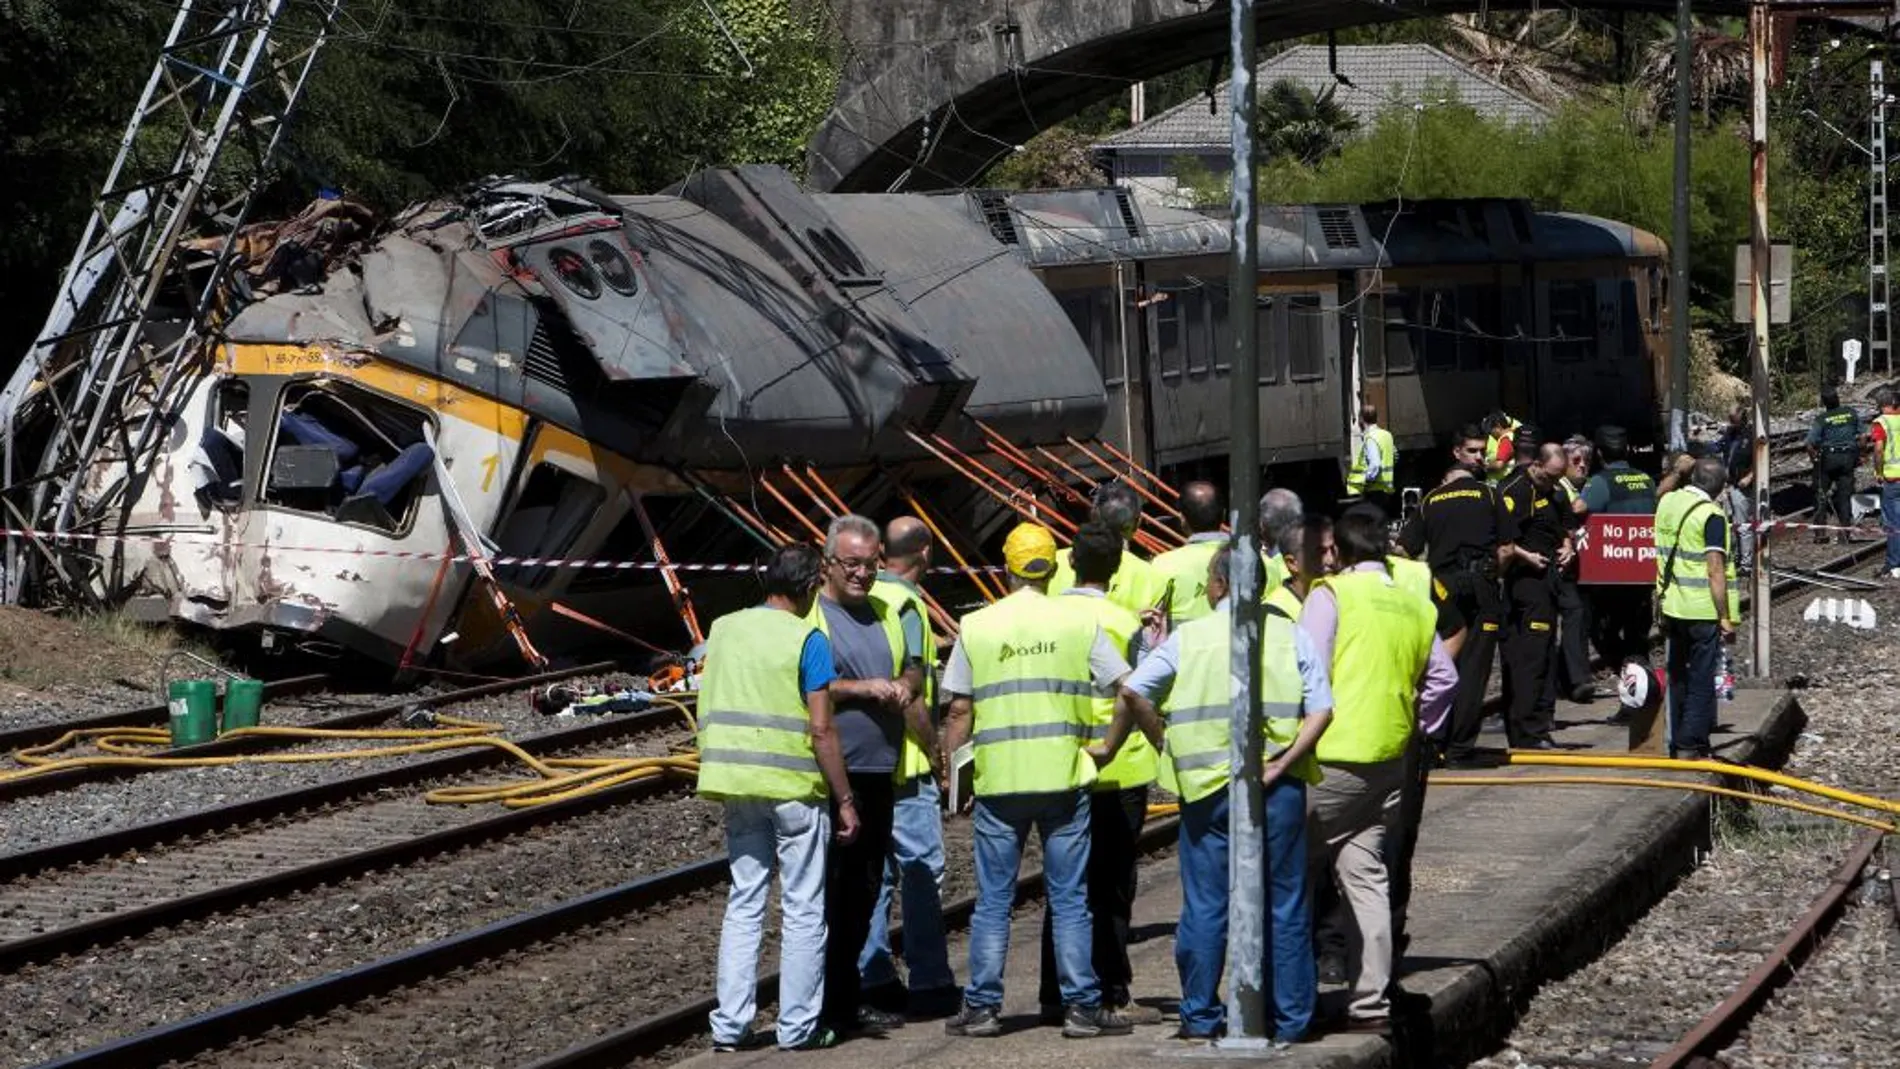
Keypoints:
pixel 341 388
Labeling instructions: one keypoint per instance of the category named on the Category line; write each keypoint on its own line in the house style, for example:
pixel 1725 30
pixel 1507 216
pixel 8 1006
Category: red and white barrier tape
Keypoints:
pixel 203 538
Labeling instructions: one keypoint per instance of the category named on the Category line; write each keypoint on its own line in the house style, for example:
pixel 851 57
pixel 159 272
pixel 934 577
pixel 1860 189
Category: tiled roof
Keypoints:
pixel 1380 74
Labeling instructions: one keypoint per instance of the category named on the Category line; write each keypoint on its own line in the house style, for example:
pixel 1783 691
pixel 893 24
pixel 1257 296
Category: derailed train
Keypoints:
pixel 559 375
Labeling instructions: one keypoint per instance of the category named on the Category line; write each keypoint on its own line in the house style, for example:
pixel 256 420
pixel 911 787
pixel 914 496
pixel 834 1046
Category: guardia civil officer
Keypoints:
pixel 1137 586
pixel 1461 529
pixel 1620 613
pixel 914 868
pixel 1371 476
pixel 768 752
pixel 1118 799
pixel 1834 446
pixel 1540 544
pixel 1570 660
pixel 1189 676
pixel 1695 573
pixel 1185 567
pixel 1021 680
pixel 1389 673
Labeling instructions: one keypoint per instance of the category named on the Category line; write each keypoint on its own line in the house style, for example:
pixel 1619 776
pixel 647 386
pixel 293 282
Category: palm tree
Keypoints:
pixel 1293 123
pixel 1524 53
pixel 1718 69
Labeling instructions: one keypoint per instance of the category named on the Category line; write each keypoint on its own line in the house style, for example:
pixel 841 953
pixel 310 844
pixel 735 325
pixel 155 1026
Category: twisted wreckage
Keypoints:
pixel 400 441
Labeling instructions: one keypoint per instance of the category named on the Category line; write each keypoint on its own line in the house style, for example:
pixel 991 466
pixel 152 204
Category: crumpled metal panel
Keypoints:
pixel 1035 379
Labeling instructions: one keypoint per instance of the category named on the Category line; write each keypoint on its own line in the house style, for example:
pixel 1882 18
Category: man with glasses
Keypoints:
pixel 879 683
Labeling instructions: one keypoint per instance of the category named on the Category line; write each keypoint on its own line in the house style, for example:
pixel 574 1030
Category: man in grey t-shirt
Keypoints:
pixel 875 685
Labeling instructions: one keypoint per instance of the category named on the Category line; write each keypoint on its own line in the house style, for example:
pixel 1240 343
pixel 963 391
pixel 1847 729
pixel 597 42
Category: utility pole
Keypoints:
pixel 1247 1025
pixel 1758 272
pixel 1679 244
pixel 1879 314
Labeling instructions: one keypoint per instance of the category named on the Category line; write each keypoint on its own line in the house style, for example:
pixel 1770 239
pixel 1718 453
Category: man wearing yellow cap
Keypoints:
pixel 1021 682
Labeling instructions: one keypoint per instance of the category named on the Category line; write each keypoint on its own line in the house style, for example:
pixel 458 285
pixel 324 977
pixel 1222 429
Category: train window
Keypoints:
pixel 1197 332
pixel 1168 326
pixel 554 507
pixel 1305 337
pixel 1217 305
pixel 219 470
pixel 343 452
pixel 1399 310
pixel 1657 288
pixel 1573 320
pixel 1269 336
pixel 1481 348
pixel 1109 336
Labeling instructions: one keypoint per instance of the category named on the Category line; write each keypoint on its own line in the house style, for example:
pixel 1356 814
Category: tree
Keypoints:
pixel 1291 123
pixel 1058 157
pixel 1718 70
pixel 1525 56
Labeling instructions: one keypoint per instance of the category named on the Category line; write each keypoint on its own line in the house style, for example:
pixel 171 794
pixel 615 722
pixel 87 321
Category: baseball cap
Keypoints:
pixel 1030 551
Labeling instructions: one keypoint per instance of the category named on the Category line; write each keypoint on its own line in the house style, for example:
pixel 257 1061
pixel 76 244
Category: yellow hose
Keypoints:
pixel 1720 768
pixel 1439 780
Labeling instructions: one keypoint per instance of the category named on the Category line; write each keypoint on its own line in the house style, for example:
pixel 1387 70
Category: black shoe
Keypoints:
pixel 1544 743
pixel 1584 694
pixel 1332 969
pixel 1087 1022
pixel 748 1040
pixel 978 1021
pixel 875 1021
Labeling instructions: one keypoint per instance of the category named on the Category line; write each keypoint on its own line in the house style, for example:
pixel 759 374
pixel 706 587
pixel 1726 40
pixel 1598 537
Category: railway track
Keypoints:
pixel 522 988
pixel 65 779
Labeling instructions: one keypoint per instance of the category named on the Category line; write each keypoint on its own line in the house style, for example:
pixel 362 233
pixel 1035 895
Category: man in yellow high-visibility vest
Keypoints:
pixel 1390 672
pixel 1136 587
pixel 1185 567
pixel 1885 439
pixel 1696 586
pixel 768 751
pixel 1022 680
pixel 1372 476
pixel 1189 675
pixel 915 866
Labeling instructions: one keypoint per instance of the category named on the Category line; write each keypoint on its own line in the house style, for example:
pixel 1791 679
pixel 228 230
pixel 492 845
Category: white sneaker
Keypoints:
pixel 1893 573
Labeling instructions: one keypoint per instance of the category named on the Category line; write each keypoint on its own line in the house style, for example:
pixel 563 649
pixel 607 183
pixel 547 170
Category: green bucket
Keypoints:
pixel 243 700
pixel 194 711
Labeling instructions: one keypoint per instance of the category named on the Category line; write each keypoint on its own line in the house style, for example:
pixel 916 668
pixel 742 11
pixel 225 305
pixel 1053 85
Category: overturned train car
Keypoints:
pixel 554 375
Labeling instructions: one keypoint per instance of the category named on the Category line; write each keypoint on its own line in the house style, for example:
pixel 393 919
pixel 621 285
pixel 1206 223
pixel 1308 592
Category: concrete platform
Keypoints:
pixel 1513 886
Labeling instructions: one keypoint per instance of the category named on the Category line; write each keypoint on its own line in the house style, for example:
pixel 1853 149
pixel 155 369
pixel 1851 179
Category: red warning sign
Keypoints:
pixel 1617 550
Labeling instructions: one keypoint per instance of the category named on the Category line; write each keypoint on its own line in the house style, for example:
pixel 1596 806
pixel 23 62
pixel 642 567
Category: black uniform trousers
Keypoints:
pixel 1834 484
pixel 1570 663
pixel 1475 594
pixel 854 871
pixel 1401 838
pixel 1115 818
pixel 1527 649
pixel 1621 617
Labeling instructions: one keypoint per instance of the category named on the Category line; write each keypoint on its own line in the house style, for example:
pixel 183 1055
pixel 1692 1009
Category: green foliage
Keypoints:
pixel 1055 158
pixel 427 95
pixel 1291 123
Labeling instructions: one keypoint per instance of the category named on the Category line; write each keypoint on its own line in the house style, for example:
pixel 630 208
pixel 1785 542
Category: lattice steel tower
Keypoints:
pixel 98 386
pixel 1879 307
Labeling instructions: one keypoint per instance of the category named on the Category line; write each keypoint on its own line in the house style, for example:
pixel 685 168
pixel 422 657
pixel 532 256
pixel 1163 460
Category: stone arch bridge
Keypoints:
pixel 934 91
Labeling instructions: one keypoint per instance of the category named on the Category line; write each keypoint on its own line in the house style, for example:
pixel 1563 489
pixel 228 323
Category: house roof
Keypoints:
pixel 1379 75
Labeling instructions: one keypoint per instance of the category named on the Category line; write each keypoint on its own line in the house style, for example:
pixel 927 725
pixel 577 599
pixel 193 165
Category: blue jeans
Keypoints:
pixel 1200 940
pixel 1000 826
pixel 915 865
pixel 792 837
pixel 1890 519
pixel 1695 653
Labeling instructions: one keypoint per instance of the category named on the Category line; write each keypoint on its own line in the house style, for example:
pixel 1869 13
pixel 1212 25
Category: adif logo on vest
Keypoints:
pixel 1031 650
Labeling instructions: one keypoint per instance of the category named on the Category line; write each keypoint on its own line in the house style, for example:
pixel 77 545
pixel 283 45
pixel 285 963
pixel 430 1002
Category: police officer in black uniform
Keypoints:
pixel 1541 546
pixel 1457 531
pixel 1834 446
pixel 1621 614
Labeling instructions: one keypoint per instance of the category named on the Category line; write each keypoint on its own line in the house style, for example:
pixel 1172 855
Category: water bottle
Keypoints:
pixel 1725 679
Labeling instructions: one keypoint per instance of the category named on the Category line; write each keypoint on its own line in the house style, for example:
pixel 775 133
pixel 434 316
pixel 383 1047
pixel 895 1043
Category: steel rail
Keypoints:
pixel 226 1025
pixel 688 1019
pixel 242 744
pixel 141 716
pixel 269 807
pixel 1726 1021
pixel 113 927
